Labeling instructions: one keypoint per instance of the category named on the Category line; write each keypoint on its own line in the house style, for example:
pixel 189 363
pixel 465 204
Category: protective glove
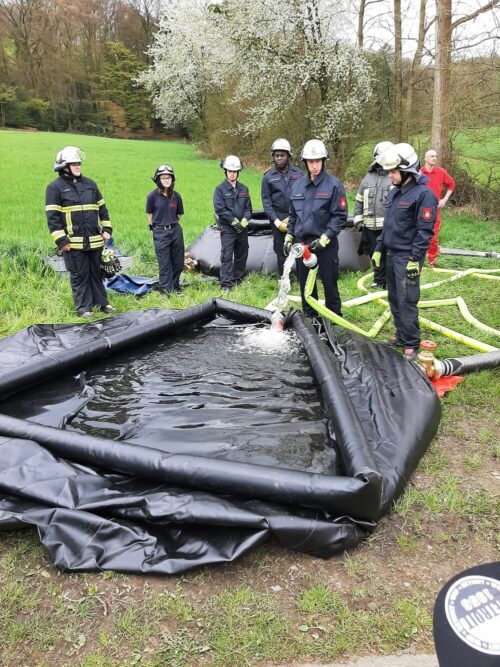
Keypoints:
pixel 376 259
pixel 319 244
pixel 281 225
pixel 237 226
pixel 150 227
pixel 287 246
pixel 244 223
pixel 110 264
pixel 412 269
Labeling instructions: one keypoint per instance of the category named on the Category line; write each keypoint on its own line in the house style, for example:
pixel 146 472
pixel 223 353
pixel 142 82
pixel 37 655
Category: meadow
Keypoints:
pixel 273 606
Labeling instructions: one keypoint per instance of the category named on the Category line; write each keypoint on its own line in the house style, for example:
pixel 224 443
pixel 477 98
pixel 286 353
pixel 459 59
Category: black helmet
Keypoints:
pixel 163 169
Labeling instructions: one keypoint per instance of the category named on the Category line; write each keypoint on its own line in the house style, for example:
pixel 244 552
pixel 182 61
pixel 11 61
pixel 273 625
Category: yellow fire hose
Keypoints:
pixel 379 297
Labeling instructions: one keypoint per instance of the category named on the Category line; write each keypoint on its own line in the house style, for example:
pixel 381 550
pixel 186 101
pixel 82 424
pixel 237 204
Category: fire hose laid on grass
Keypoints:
pixel 432 367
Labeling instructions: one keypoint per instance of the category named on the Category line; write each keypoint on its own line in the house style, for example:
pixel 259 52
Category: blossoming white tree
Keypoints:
pixel 273 56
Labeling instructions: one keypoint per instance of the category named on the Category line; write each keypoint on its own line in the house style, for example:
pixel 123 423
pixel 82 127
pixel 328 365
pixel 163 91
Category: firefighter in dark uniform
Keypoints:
pixel 233 209
pixel 164 209
pixel 407 232
pixel 318 211
pixel 79 224
pixel 275 191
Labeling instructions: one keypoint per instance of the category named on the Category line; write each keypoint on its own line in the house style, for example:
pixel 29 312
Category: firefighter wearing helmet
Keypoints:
pixel 318 212
pixel 369 209
pixel 407 232
pixel 79 224
pixel 276 190
pixel 164 209
pixel 233 210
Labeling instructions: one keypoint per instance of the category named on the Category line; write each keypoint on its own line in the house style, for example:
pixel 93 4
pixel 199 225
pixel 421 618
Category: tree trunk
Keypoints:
pixel 398 73
pixel 416 62
pixel 361 23
pixel 442 76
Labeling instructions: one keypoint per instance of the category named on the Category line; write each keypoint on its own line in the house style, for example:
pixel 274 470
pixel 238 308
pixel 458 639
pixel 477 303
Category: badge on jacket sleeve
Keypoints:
pixel 427 213
pixel 343 202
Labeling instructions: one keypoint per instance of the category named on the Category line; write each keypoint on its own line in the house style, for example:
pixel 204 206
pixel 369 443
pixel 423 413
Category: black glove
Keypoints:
pixel 110 264
pixel 319 244
pixel 150 227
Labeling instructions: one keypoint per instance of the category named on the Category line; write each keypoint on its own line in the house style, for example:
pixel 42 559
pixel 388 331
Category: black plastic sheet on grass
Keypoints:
pixel 156 442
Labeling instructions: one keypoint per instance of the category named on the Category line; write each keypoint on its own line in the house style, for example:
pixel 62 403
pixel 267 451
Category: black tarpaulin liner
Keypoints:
pixel 261 256
pixel 101 503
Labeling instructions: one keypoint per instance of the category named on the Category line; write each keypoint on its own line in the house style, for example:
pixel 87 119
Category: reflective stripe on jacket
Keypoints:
pixel 371 200
pixel 76 213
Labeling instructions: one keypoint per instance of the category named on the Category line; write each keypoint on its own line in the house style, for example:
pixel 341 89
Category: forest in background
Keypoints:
pixel 232 76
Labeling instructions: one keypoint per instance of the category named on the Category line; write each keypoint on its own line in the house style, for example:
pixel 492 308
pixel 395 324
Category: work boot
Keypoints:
pixel 87 313
pixel 410 354
pixel 108 309
pixel 394 341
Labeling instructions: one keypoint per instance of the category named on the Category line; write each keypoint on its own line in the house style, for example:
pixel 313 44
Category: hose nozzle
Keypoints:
pixel 302 250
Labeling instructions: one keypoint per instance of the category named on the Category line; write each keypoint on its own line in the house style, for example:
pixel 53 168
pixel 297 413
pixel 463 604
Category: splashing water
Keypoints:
pixel 266 341
pixel 282 300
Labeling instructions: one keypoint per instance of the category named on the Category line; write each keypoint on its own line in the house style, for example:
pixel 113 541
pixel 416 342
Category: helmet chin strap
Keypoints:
pixel 404 178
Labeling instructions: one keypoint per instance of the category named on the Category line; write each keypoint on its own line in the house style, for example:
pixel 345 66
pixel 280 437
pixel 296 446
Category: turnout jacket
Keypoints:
pixel 276 190
pixel 76 213
pixel 317 207
pixel 409 219
pixel 231 203
pixel 371 199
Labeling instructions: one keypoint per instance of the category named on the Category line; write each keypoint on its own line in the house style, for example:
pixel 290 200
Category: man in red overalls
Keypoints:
pixel 438 178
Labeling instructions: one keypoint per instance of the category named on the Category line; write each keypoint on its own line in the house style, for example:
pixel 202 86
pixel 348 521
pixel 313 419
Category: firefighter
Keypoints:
pixel 318 211
pixel 369 210
pixel 79 224
pixel 276 189
pixel 233 209
pixel 164 209
pixel 406 235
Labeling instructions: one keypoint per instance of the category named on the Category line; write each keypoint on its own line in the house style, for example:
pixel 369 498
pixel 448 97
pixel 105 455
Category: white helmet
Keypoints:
pixel 402 157
pixel 379 150
pixel 314 149
pixel 231 163
pixel 281 145
pixel 68 155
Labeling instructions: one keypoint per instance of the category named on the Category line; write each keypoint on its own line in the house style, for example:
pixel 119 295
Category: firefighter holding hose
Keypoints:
pixel 318 212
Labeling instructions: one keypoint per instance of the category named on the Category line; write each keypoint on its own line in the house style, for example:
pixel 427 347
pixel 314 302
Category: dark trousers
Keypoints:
pixel 169 248
pixel 403 299
pixel 367 247
pixel 84 268
pixel 328 271
pixel 233 256
pixel 278 242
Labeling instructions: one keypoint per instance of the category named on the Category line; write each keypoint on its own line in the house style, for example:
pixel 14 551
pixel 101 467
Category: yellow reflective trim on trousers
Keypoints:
pixel 53 207
pixel 76 246
pixel 58 234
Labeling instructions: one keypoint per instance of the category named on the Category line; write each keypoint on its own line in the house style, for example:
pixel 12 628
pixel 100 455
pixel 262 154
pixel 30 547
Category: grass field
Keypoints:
pixel 273 606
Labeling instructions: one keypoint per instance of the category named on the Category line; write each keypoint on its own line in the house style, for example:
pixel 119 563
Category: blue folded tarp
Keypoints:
pixel 136 285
